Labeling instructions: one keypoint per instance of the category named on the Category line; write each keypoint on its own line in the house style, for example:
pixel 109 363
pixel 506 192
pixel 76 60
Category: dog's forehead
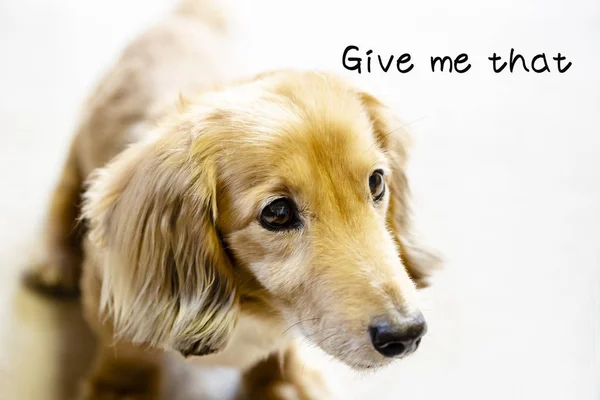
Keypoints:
pixel 315 147
pixel 327 129
pixel 328 151
pixel 309 138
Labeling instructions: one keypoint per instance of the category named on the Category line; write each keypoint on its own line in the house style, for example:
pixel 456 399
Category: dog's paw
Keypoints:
pixel 55 279
pixel 309 386
pixel 284 390
pixel 277 391
pixel 109 391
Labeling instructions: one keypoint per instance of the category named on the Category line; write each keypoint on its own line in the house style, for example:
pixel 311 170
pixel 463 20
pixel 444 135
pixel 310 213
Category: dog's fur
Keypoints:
pixel 173 255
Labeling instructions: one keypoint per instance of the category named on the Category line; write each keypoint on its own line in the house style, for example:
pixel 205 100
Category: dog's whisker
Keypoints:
pixel 401 127
pixel 328 337
pixel 299 322
pixel 319 331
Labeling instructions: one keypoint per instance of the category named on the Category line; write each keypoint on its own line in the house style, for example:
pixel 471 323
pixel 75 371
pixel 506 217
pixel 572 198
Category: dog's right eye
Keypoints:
pixel 280 214
pixel 377 185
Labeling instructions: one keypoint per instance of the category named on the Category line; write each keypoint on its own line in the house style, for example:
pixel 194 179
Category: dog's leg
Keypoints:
pixel 283 376
pixel 124 371
pixel 59 273
pixel 121 370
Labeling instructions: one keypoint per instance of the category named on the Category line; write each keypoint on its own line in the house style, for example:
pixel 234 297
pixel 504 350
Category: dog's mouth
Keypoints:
pixel 370 367
pixel 354 352
pixel 367 352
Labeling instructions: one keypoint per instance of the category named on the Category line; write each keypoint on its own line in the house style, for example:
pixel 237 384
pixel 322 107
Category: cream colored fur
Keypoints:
pixel 179 166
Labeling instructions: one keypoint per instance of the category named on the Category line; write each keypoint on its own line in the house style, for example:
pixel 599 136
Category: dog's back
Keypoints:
pixel 186 51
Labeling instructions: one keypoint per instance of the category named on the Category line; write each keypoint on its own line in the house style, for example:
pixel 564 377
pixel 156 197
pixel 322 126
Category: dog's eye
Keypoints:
pixel 278 215
pixel 377 185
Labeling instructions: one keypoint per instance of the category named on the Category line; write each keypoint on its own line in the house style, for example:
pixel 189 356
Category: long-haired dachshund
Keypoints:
pixel 214 220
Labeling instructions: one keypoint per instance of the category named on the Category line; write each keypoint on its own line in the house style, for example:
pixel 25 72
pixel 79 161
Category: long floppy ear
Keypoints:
pixel 419 261
pixel 167 281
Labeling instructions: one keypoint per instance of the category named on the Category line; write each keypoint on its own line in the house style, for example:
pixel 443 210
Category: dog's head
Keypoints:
pixel 294 179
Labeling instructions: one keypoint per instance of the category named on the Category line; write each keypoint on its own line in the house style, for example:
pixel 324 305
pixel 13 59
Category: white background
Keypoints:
pixel 505 174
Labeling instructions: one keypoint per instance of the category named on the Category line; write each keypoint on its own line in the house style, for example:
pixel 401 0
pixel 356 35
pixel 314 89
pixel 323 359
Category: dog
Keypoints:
pixel 210 218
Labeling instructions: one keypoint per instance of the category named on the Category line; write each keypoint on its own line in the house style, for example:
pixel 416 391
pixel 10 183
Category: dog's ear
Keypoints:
pixel 391 136
pixel 167 281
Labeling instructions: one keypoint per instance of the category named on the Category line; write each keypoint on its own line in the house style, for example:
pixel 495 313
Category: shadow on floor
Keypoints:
pixel 50 347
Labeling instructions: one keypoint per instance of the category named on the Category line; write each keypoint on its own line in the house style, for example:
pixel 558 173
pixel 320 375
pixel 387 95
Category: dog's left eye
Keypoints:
pixel 280 214
pixel 377 185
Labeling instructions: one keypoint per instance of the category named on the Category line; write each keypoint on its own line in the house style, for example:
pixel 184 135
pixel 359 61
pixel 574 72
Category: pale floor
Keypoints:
pixel 505 173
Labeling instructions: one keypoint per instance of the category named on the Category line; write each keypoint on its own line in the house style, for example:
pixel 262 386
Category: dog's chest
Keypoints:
pixel 253 339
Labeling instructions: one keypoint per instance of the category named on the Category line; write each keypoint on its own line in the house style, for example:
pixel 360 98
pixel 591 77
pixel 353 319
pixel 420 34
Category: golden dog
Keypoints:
pixel 247 208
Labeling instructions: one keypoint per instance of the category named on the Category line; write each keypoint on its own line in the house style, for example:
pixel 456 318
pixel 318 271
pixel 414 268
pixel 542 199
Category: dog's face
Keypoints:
pixel 297 178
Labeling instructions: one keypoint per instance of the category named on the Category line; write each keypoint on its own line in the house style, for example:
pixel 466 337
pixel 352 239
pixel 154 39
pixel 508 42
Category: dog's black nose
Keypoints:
pixel 398 338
